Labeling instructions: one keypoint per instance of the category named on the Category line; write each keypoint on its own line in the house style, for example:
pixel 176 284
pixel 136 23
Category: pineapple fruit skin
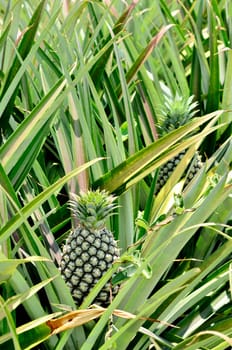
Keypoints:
pixel 86 257
pixel 167 169
pixel 90 249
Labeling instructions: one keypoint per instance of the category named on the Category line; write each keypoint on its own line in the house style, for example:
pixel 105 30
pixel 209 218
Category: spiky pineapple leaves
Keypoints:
pixel 146 53
pixel 20 150
pixel 98 69
pixel 23 50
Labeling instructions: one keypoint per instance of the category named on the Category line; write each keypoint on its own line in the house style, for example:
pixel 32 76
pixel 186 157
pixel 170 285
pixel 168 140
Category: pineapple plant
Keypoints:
pixel 90 249
pixel 177 111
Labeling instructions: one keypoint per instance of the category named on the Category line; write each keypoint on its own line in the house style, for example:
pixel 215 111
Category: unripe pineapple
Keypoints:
pixel 177 112
pixel 90 249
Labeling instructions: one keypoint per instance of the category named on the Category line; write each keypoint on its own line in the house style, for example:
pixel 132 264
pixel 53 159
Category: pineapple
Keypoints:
pixel 90 249
pixel 177 112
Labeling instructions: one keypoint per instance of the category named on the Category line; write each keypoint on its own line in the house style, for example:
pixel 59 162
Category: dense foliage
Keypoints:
pixel 82 95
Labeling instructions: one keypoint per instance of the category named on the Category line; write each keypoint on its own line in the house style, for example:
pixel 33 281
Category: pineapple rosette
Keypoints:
pixel 176 112
pixel 90 249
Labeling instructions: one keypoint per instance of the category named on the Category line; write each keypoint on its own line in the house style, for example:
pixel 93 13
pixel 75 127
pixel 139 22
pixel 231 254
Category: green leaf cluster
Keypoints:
pixel 82 88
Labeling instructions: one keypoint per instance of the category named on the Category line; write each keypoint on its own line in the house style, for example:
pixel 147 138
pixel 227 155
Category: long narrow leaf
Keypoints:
pixel 128 169
pixel 22 215
pixel 23 51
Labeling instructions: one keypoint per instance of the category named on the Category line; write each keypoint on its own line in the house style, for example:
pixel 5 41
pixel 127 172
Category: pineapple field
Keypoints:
pixel 115 174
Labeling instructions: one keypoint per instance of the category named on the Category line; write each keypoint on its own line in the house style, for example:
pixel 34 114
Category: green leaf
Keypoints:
pixel 98 69
pixel 146 52
pixel 226 101
pixel 23 146
pixel 22 214
pixel 30 334
pixel 13 302
pixel 143 162
pixel 11 324
pixel 23 50
pixel 8 266
pixel 4 35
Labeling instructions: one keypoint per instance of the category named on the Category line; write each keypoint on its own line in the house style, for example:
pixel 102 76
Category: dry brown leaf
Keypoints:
pixel 74 319
pixel 80 317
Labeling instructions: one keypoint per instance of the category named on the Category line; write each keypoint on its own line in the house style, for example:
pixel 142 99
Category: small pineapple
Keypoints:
pixel 177 112
pixel 90 250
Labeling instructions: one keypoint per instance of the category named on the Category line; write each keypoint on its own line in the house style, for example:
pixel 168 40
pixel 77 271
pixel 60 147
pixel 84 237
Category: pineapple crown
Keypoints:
pixel 92 208
pixel 176 112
